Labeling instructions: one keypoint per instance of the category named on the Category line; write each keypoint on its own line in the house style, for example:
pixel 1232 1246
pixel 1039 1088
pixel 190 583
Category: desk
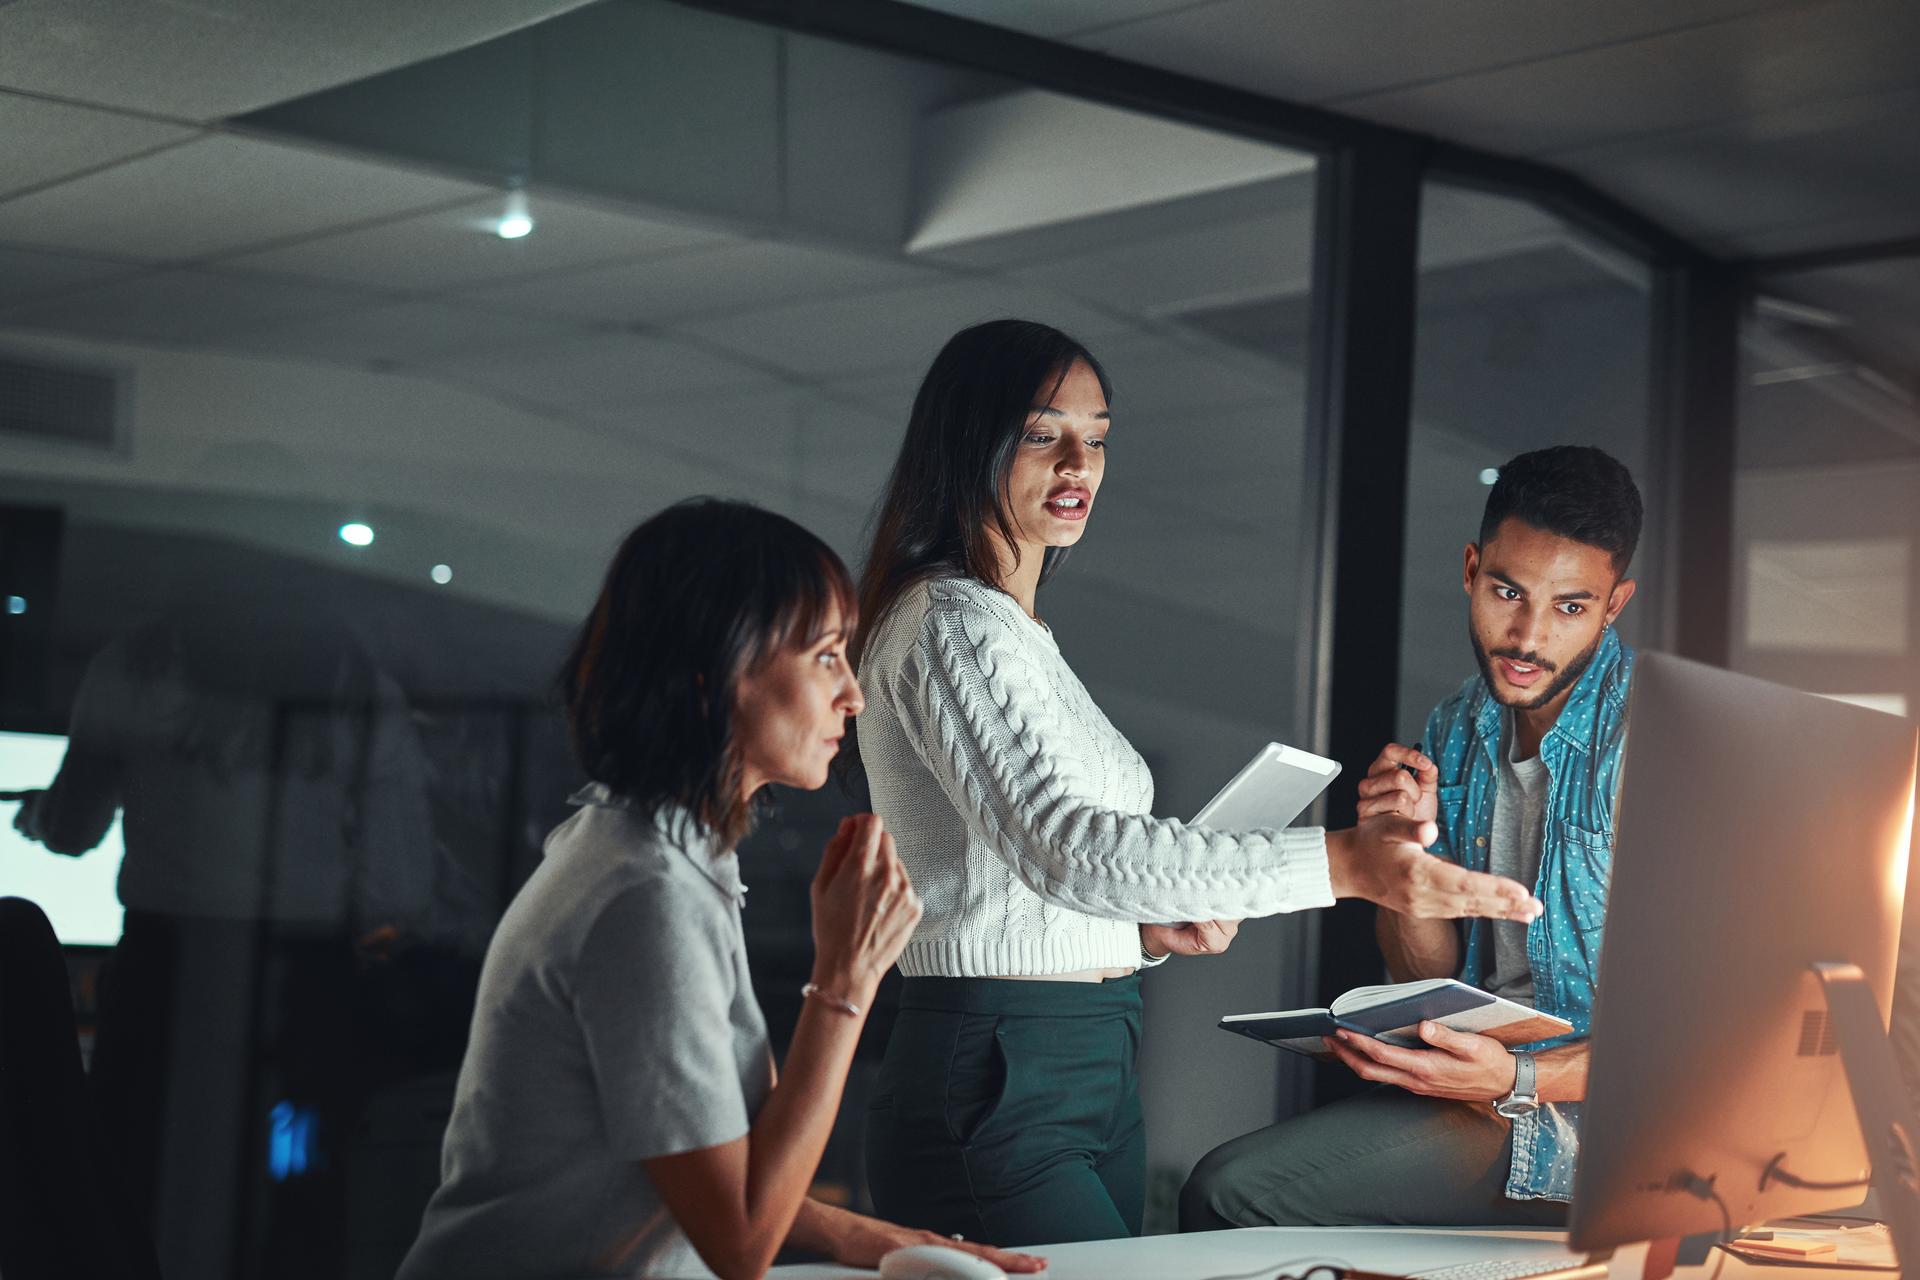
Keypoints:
pixel 1394 1250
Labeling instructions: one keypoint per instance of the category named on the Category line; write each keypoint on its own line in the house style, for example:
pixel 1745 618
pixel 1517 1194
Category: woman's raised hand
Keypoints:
pixel 1385 860
pixel 864 909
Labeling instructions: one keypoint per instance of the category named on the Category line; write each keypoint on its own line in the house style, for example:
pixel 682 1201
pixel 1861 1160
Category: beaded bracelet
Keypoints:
pixel 813 991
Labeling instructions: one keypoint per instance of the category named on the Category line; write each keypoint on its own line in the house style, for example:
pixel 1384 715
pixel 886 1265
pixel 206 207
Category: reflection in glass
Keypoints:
pixel 311 615
pixel 1529 334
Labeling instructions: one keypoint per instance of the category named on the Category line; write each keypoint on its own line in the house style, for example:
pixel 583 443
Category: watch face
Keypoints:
pixel 1514 1108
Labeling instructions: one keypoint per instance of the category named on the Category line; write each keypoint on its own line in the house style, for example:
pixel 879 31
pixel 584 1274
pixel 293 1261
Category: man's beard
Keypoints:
pixel 1561 681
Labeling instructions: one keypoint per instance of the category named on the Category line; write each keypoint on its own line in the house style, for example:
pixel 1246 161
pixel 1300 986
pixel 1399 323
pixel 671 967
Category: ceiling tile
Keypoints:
pixel 404 333
pixel 1854 230
pixel 181 308
pixel 210 59
pixel 704 282
pixel 457 248
pixel 608 374
pixel 1794 175
pixel 44 141
pixel 213 196
pixel 1792 57
pixel 1329 52
pixel 26 274
pixel 882 330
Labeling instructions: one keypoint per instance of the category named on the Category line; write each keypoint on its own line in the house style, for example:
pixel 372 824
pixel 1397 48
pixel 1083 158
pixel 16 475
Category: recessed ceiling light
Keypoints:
pixel 516 222
pixel 441 573
pixel 1489 475
pixel 357 534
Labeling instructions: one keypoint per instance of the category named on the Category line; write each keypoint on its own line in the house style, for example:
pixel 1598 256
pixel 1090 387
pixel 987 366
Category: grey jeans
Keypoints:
pixel 1386 1157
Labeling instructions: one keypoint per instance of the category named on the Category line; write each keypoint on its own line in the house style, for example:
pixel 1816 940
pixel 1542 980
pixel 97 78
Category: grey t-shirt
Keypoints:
pixel 615 1022
pixel 1519 825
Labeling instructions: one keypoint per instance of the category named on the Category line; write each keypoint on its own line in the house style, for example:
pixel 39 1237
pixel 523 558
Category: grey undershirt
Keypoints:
pixel 1519 820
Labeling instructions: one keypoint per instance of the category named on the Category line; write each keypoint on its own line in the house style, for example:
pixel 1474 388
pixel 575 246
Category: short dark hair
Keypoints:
pixel 946 497
pixel 696 596
pixel 1575 491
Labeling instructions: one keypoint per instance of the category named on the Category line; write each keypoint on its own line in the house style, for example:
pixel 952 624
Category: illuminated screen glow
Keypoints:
pixel 77 894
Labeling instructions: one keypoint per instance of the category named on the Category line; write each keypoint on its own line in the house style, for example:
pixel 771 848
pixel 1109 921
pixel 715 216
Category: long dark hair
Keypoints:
pixel 946 497
pixel 696 596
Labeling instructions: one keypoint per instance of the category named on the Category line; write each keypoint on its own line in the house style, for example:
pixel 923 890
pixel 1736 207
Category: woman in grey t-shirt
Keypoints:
pixel 617 1112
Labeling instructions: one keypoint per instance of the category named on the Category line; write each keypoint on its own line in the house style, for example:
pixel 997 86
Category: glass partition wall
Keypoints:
pixel 1529 333
pixel 356 459
pixel 1826 537
pixel 320 425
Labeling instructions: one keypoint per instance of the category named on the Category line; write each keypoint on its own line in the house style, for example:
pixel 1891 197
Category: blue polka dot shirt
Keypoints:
pixel 1582 753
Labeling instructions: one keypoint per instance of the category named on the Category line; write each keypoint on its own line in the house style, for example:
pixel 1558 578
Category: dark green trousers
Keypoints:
pixel 1009 1111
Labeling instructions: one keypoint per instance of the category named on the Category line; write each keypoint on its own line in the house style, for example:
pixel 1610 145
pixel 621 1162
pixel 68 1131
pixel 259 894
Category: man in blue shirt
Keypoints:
pixel 1520 775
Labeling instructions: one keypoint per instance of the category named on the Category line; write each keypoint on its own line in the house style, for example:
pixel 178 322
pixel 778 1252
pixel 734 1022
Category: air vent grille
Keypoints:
pixel 1817 1039
pixel 58 402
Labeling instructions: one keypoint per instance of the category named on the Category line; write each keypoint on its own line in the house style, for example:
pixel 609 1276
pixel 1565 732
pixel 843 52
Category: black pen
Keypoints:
pixel 1409 768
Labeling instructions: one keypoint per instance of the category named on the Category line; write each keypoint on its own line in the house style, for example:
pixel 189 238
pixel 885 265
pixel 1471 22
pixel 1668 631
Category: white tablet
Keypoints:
pixel 1276 787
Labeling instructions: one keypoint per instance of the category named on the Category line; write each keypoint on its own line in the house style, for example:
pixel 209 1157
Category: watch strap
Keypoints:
pixel 1526 1095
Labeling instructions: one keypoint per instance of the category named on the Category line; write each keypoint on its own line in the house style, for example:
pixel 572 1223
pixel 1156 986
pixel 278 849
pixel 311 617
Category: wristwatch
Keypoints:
pixel 1525 1098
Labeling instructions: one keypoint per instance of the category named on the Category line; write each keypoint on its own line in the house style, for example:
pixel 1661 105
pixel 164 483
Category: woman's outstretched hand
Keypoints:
pixel 1385 860
pixel 864 910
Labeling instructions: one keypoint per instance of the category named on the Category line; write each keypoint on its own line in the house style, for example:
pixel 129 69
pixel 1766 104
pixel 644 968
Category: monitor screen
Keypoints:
pixel 78 894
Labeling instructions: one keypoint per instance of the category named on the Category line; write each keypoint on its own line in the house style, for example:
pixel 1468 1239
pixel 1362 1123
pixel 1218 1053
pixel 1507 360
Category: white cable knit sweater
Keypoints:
pixel 1022 814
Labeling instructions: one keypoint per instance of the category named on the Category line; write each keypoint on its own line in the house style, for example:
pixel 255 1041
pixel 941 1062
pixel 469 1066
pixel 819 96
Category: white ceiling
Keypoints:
pixel 1754 127
pixel 205 60
pixel 775 350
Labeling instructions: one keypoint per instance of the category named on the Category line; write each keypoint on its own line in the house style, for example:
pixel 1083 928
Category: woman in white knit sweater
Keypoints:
pixel 1007 1105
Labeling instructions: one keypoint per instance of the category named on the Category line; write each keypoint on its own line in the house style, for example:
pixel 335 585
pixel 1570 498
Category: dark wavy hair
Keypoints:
pixel 700 594
pixel 946 497
pixel 1575 491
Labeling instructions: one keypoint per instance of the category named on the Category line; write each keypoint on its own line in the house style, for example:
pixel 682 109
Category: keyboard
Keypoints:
pixel 1516 1269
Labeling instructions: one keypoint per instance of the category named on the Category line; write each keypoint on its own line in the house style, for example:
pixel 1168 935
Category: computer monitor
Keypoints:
pixel 1759 832
pixel 80 895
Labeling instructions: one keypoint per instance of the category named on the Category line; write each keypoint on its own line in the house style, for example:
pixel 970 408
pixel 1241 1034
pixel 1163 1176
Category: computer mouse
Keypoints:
pixel 937 1262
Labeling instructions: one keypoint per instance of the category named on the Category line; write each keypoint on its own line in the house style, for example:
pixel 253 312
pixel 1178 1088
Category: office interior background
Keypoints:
pixel 293 433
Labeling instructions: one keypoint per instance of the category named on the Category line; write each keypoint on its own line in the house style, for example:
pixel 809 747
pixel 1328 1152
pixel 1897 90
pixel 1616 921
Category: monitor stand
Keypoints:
pixel 1880 1098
